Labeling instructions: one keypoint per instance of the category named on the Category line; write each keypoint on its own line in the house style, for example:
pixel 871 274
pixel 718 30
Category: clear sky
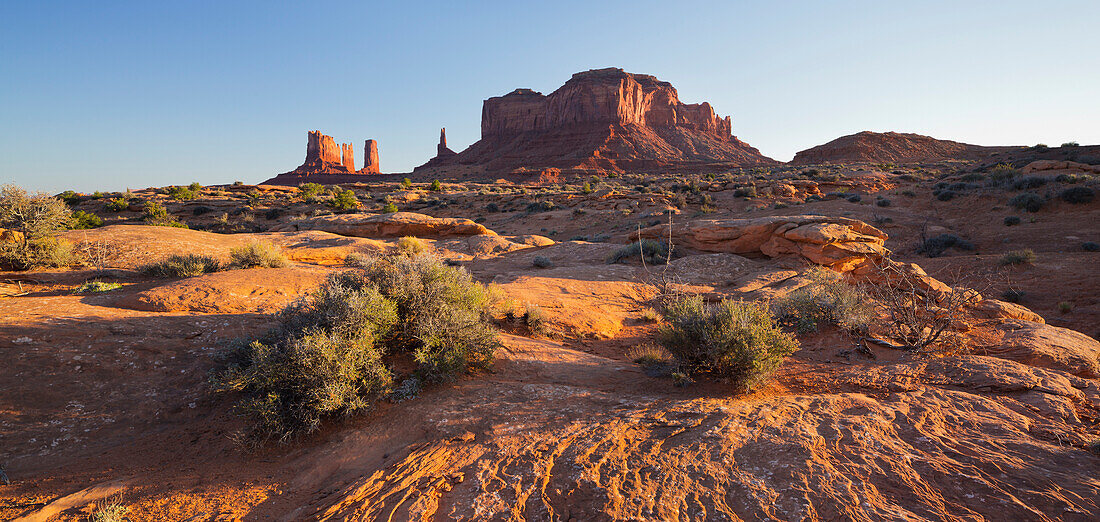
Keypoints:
pixel 109 95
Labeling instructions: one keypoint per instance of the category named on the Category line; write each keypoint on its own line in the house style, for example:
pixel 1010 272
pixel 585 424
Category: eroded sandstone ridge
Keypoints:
pixel 603 119
pixel 891 147
pixel 370 158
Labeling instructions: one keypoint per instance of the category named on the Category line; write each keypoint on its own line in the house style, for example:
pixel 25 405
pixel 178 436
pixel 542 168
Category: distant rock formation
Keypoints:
pixel 323 156
pixel 328 163
pixel 370 158
pixel 441 150
pixel 891 147
pixel 348 154
pixel 604 119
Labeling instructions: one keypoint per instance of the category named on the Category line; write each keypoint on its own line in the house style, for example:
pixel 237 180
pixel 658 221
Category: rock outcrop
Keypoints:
pixel 601 119
pixel 323 156
pixel 441 150
pixel 890 147
pixel 397 224
pixel 370 158
pixel 839 243
pixel 348 154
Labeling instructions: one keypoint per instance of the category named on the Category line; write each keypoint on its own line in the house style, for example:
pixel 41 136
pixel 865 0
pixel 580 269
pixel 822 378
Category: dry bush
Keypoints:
pixel 916 315
pixel 36 216
pixel 411 246
pixel 260 254
pixel 827 299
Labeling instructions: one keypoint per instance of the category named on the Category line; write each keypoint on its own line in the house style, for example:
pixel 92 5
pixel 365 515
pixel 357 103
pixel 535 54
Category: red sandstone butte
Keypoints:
pixel 604 119
pixel 370 158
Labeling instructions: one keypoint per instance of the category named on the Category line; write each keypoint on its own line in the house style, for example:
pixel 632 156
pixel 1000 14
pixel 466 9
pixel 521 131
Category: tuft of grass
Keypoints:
pixel 1065 307
pixel 654 252
pixel 1018 257
pixel 110 511
pixel 827 299
pixel 1090 246
pixel 182 265
pixel 730 339
pixel 95 287
pixel 1011 221
pixel 257 254
pixel 654 359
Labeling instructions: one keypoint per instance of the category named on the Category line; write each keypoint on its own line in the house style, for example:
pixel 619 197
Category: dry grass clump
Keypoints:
pixel 182 265
pixel 651 251
pixel 260 254
pixel 328 355
pixel 411 246
pixel 1018 257
pixel 730 339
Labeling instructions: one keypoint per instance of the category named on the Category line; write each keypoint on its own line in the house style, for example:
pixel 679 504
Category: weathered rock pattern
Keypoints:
pixel 1046 346
pixel 839 243
pixel 397 224
pixel 890 147
pixel 1044 165
pixel 370 158
pixel 606 119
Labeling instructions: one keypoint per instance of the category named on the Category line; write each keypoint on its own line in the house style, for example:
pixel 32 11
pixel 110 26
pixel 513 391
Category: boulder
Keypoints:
pixel 839 243
pixel 396 224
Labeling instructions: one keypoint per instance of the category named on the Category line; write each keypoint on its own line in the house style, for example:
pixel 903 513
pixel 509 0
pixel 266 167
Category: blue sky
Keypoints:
pixel 109 95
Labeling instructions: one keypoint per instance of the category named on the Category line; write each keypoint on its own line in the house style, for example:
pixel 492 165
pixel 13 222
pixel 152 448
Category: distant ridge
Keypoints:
pixel 892 147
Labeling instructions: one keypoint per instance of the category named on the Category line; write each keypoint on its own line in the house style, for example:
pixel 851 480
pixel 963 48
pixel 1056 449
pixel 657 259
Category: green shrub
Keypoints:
pixel 309 191
pixel 827 299
pixel 182 265
pixel 96 287
pixel 326 357
pixel 45 251
pixel 1028 201
pixel 406 183
pixel 116 205
pixel 155 214
pixel 731 339
pixel 1065 307
pixel 85 220
pixel 184 193
pixel 1090 246
pixel 1018 257
pixel 260 254
pixel 436 186
pixel 344 200
pixel 587 188
pixel 1078 195
pixel 389 208
pixel 1011 221
pixel 652 251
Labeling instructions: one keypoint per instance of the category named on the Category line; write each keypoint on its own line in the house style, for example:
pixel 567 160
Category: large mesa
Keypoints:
pixel 603 119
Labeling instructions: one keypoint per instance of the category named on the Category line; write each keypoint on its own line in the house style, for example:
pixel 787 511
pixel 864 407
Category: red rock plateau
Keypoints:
pixel 604 119
pixel 892 147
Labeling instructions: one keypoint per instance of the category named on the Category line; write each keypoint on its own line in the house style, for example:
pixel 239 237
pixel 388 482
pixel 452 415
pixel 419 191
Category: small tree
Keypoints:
pixel 36 216
pixel 344 200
